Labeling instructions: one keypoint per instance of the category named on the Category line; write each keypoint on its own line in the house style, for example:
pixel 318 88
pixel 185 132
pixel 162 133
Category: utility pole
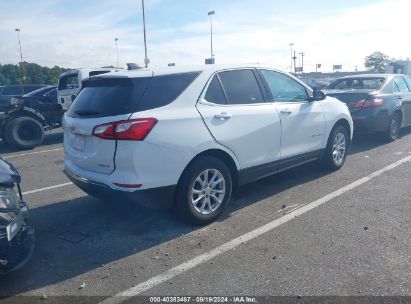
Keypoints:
pixel 211 13
pixel 116 40
pixel 291 46
pixel 146 60
pixel 295 63
pixel 21 55
pixel 302 62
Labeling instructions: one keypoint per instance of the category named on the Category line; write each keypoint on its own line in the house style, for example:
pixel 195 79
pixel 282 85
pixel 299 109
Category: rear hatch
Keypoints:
pixel 102 100
pixel 350 97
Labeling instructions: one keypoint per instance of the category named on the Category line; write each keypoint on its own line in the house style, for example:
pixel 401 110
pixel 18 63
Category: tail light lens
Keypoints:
pixel 16 101
pixel 133 129
pixel 368 103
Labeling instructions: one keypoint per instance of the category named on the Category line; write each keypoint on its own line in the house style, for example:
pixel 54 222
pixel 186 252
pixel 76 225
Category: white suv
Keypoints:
pixel 187 137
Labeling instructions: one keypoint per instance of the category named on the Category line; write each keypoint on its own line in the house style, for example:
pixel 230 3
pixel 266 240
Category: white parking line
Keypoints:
pixel 198 260
pixel 47 188
pixel 31 153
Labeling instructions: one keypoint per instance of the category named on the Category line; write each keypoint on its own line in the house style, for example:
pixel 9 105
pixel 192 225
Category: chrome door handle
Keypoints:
pixel 223 116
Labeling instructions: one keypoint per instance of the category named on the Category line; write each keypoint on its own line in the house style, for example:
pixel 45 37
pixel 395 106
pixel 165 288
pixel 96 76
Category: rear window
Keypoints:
pixel 102 97
pixel 374 83
pixel 108 97
pixel 69 82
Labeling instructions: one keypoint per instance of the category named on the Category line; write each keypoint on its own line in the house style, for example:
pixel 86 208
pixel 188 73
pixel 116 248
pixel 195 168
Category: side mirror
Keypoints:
pixel 317 95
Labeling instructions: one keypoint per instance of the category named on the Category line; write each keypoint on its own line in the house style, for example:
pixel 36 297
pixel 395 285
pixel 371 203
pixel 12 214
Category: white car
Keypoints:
pixel 188 137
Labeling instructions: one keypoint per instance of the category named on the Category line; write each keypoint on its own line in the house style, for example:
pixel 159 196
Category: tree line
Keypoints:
pixel 29 73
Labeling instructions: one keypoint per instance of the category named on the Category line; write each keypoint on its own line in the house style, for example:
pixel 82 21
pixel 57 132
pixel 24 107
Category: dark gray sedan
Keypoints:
pixel 377 102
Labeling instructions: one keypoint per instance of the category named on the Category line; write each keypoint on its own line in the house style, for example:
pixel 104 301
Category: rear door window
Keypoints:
pixel 241 87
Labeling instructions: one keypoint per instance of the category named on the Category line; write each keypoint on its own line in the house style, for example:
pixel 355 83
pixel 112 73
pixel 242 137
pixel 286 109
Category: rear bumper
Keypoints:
pixel 161 197
pixel 369 121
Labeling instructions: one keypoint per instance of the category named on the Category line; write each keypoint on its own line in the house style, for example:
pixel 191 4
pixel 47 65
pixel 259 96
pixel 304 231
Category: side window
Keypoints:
pixel 401 85
pixel 164 89
pixel 215 92
pixel 408 80
pixel 283 88
pixel 241 87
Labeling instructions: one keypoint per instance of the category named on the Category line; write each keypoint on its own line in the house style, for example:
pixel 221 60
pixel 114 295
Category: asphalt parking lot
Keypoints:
pixel 353 237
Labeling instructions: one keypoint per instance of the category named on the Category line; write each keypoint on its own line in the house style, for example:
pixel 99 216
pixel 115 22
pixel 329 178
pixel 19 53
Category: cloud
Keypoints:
pixel 83 35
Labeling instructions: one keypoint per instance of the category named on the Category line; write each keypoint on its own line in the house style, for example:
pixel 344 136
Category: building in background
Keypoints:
pixel 399 67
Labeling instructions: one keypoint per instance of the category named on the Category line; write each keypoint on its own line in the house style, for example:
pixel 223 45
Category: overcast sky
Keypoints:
pixel 80 33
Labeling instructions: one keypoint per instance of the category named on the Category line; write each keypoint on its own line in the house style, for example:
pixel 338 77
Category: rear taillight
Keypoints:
pixel 133 129
pixel 16 101
pixel 368 103
pixel 105 131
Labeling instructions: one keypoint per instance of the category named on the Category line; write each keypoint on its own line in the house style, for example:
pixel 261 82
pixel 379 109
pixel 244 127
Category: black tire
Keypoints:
pixel 184 197
pixel 393 131
pixel 329 161
pixel 24 132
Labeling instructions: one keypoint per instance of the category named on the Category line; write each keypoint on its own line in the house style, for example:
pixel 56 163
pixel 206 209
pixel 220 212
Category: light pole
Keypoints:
pixel 21 54
pixel 116 40
pixel 291 46
pixel 146 60
pixel 302 62
pixel 18 38
pixel 211 13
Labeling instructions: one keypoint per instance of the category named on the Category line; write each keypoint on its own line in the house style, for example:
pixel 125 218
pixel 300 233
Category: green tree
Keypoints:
pixel 34 73
pixel 376 62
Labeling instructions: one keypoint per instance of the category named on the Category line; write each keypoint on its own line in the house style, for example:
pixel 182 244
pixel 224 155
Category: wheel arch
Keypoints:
pixel 25 113
pixel 224 157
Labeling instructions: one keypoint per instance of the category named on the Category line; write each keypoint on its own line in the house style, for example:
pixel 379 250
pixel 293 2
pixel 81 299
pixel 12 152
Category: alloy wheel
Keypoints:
pixel 339 148
pixel 208 191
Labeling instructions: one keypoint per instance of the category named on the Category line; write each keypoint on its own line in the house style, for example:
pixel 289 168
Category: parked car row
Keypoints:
pixel 187 138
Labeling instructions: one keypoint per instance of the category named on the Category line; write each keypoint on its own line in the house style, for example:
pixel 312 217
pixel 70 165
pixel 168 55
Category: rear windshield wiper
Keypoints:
pixel 86 113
